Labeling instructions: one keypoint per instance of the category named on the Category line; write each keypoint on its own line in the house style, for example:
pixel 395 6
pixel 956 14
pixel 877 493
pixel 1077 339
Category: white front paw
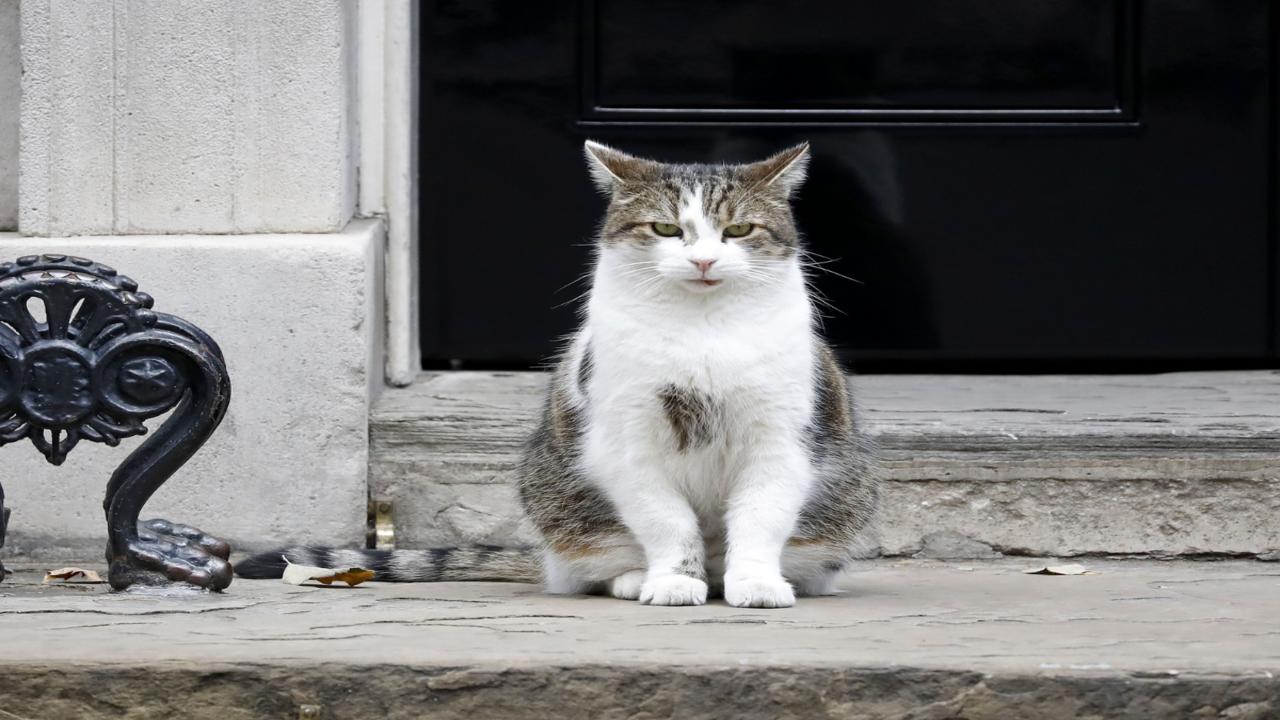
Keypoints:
pixel 759 593
pixel 627 585
pixel 674 590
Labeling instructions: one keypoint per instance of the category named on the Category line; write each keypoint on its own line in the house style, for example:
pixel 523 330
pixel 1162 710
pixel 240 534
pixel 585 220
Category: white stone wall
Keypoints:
pixel 187 116
pixel 10 84
pixel 208 148
pixel 298 319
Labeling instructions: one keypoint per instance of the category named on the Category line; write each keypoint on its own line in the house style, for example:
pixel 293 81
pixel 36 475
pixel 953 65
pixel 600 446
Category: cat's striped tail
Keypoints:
pixel 475 563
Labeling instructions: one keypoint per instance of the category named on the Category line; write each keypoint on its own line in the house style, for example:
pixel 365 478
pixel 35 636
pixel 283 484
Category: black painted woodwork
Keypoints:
pixel 1063 181
pixel 830 60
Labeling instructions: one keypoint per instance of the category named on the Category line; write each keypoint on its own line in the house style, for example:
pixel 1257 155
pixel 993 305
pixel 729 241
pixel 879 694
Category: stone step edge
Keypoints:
pixel 377 691
pixel 1187 464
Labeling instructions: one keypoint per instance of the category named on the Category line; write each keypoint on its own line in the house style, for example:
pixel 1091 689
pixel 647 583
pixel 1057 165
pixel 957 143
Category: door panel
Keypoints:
pixel 756 58
pixel 1061 180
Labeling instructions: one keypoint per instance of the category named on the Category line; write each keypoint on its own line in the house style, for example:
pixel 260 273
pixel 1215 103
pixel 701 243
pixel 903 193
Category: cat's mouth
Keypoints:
pixel 706 281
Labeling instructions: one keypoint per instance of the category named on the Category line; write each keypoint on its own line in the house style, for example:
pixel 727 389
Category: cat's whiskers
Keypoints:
pixel 636 266
pixel 573 300
pixel 584 276
pixel 807 262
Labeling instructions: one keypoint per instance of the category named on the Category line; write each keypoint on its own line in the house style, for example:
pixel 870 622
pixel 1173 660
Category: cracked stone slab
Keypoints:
pixel 1180 463
pixel 906 639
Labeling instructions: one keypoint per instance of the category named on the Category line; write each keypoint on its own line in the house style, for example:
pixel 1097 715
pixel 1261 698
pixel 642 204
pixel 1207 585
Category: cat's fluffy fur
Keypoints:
pixel 699 435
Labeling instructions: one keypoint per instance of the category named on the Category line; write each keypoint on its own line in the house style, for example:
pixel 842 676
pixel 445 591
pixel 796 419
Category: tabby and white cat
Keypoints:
pixel 699 437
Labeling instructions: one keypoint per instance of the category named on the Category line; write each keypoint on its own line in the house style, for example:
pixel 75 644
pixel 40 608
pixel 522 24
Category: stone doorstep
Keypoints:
pixel 906 639
pixel 1172 464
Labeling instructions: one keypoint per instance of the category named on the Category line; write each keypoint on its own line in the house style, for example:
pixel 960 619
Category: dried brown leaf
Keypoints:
pixel 298 574
pixel 71 573
pixel 350 576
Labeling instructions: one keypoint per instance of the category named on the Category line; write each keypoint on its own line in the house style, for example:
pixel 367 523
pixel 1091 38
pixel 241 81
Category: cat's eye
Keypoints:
pixel 667 230
pixel 738 230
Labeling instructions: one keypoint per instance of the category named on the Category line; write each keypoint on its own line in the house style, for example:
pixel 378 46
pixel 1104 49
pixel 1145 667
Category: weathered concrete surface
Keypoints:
pixel 300 333
pixel 909 639
pixel 1182 463
pixel 10 92
pixel 228 116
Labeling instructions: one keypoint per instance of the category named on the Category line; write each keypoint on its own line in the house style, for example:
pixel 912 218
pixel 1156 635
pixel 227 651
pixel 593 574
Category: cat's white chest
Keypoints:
pixel 748 371
pixel 722 360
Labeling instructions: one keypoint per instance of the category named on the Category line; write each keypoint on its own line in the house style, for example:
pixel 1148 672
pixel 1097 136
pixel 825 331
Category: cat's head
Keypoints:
pixel 699 227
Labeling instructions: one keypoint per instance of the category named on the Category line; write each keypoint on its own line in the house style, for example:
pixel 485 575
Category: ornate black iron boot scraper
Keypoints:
pixel 94 367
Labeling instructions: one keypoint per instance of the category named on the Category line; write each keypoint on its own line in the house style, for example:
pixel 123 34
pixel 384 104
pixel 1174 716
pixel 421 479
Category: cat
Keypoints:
pixel 699 438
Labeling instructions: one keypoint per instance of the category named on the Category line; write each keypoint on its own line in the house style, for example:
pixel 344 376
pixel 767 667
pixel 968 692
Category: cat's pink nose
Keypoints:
pixel 703 265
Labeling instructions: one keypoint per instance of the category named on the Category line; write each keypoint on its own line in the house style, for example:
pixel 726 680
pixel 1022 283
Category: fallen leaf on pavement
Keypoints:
pixel 70 573
pixel 298 574
pixel 1061 570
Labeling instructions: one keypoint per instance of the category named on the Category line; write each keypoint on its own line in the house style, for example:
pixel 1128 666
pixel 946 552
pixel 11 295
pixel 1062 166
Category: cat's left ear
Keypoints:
pixel 786 170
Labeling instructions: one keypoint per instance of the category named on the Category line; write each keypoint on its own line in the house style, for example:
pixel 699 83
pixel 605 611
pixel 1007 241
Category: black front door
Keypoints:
pixel 993 180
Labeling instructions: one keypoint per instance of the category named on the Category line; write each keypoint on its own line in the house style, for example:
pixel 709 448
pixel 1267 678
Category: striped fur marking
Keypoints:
pixel 469 563
pixel 693 416
pixel 643 192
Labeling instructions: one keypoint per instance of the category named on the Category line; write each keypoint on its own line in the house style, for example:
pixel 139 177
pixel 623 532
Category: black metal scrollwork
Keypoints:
pixel 84 357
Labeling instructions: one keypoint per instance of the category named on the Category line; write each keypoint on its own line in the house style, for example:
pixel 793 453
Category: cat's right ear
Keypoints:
pixel 611 169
